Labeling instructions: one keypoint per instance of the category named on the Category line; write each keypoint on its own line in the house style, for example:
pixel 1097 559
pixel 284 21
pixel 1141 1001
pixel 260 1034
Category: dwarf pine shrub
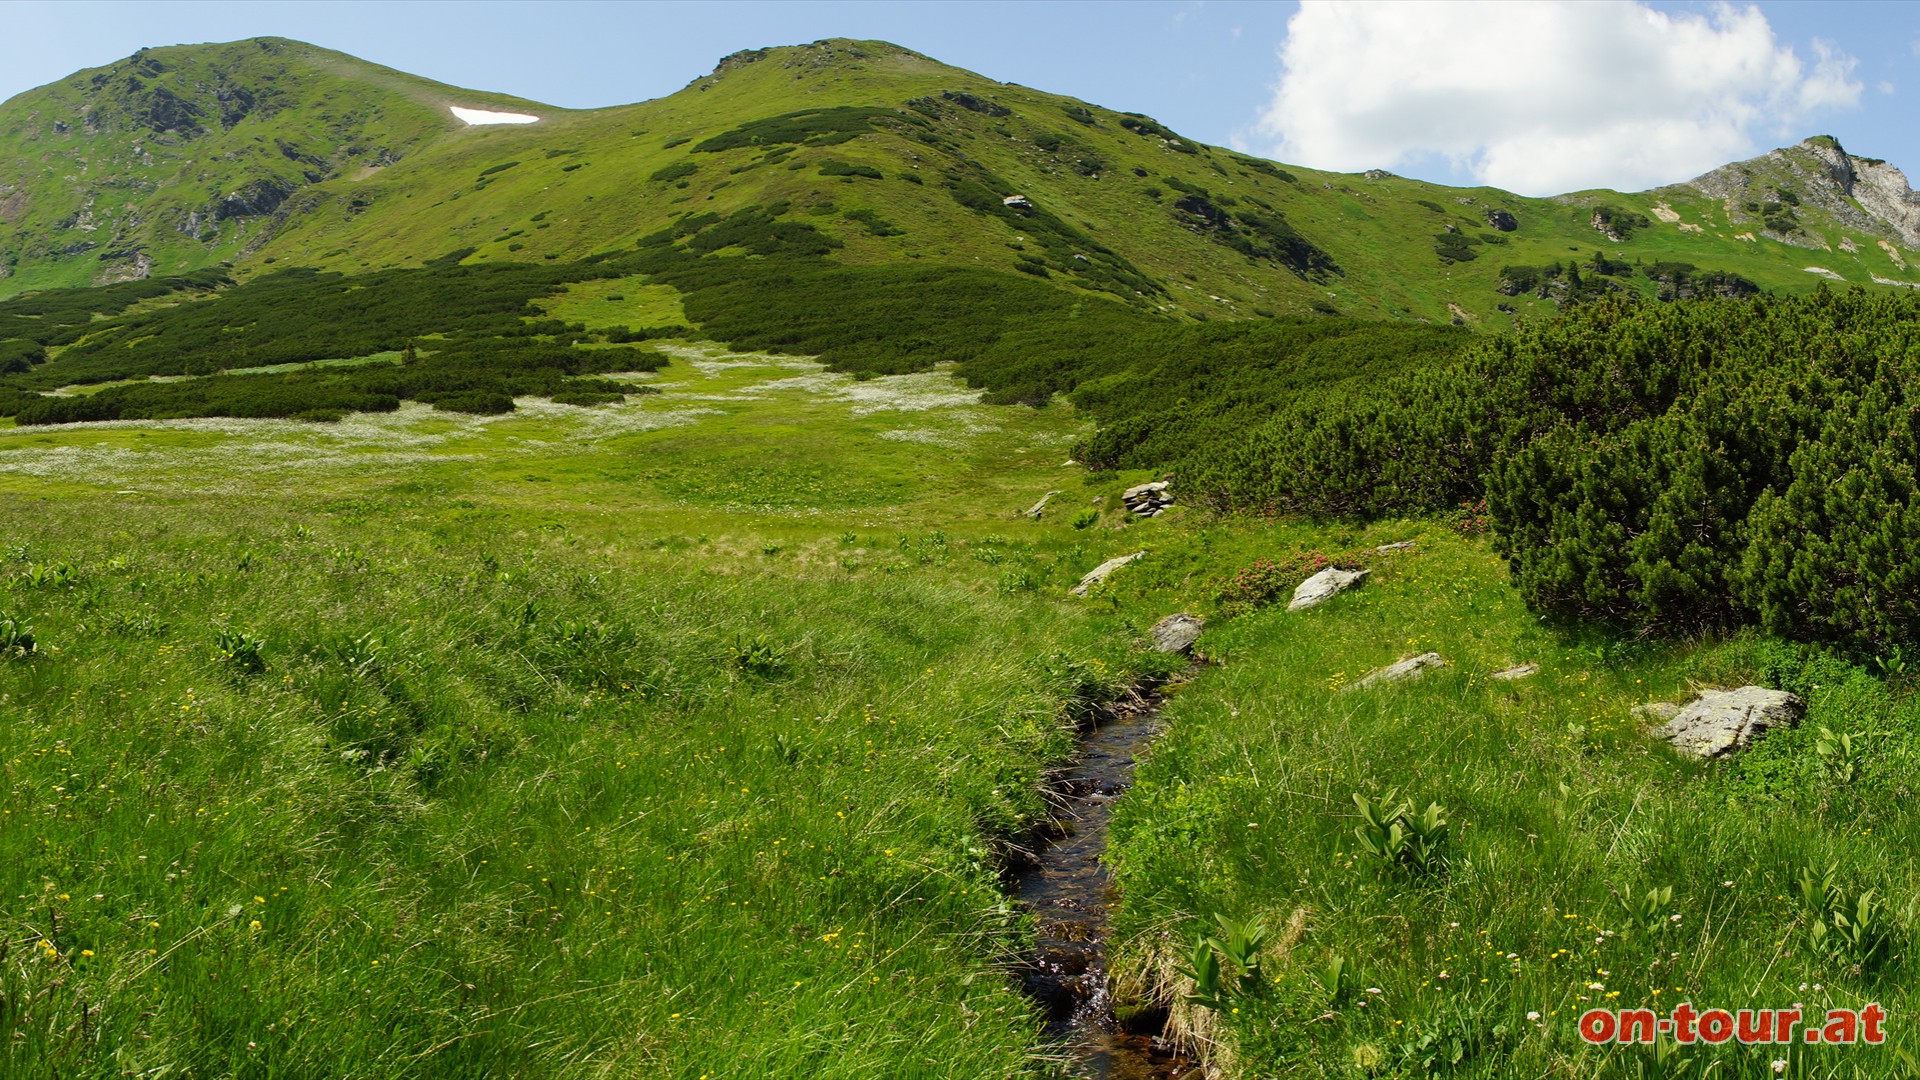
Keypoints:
pixel 1660 466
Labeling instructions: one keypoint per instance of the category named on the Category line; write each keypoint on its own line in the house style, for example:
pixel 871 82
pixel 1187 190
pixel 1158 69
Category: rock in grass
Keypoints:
pixel 1176 633
pixel 1324 586
pixel 1656 710
pixel 1404 545
pixel 1040 507
pixel 1720 723
pixel 1099 573
pixel 1518 671
pixel 1412 667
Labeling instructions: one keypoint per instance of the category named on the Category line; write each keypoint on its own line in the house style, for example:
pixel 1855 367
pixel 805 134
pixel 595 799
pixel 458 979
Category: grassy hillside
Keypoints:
pixel 890 154
pixel 180 158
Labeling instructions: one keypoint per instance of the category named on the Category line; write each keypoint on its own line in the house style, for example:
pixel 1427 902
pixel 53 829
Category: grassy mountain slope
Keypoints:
pixel 178 158
pixel 898 157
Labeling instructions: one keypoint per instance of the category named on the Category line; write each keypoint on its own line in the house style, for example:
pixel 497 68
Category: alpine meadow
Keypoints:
pixel 854 569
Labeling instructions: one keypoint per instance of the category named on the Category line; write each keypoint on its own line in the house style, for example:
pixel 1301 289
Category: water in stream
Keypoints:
pixel 1071 893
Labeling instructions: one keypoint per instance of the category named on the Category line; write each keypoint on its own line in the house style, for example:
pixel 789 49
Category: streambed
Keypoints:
pixel 1071 895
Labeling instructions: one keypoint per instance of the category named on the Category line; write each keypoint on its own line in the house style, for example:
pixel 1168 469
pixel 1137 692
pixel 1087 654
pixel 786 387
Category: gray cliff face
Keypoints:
pixel 1882 191
pixel 1862 194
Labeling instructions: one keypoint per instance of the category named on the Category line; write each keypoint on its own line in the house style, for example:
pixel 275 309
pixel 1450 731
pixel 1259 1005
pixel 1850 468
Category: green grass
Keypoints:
pixel 545 768
pixel 686 736
pixel 632 302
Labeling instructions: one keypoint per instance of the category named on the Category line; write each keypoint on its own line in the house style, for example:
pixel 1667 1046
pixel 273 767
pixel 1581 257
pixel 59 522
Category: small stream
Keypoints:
pixel 1071 894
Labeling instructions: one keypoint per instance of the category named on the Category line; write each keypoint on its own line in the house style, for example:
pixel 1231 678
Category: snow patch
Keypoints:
pixel 477 117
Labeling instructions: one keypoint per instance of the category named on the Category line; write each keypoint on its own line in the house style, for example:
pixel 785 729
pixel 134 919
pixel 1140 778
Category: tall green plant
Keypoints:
pixel 1391 831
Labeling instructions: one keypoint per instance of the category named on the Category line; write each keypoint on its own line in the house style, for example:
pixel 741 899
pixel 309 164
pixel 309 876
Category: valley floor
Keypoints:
pixel 688 736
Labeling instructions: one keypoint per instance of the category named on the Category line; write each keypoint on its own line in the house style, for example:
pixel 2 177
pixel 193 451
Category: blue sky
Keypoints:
pixel 1538 97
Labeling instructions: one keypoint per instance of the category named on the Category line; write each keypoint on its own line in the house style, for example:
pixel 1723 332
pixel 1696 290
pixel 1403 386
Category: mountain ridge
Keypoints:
pixel 885 152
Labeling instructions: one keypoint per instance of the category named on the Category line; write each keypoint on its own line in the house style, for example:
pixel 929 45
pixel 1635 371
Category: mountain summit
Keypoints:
pixel 271 151
pixel 1861 194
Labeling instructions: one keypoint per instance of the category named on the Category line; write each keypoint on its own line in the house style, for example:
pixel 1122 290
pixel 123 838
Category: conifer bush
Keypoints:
pixel 1663 467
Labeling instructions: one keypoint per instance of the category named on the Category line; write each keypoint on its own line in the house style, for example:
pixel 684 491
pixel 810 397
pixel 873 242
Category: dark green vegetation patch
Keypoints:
pixel 480 343
pixel 813 127
pixel 1664 466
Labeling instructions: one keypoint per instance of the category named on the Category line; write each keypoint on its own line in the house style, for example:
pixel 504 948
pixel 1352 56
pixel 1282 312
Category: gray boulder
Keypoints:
pixel 1099 573
pixel 1720 723
pixel 1404 545
pixel 1413 667
pixel 1518 671
pixel 1324 586
pixel 1176 633
pixel 1040 507
pixel 1656 710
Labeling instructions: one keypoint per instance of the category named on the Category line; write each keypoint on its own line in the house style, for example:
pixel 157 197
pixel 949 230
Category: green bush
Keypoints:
pixel 841 168
pixel 679 170
pixel 587 399
pixel 813 127
pixel 1661 466
pixel 475 402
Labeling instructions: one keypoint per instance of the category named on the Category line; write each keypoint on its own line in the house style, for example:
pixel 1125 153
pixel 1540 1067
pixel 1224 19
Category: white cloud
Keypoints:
pixel 1542 98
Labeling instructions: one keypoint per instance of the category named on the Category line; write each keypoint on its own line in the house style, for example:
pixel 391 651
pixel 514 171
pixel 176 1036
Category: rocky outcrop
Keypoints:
pixel 1100 573
pixel 1501 220
pixel 1720 723
pixel 975 103
pixel 1148 500
pixel 1884 193
pixel 135 265
pixel 1324 586
pixel 1176 633
pixel 1863 194
pixel 1413 667
pixel 255 198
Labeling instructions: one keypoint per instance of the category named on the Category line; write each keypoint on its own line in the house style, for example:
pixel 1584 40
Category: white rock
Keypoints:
pixel 1404 545
pixel 1720 723
pixel 1324 586
pixel 1412 667
pixel 1099 573
pixel 1518 671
